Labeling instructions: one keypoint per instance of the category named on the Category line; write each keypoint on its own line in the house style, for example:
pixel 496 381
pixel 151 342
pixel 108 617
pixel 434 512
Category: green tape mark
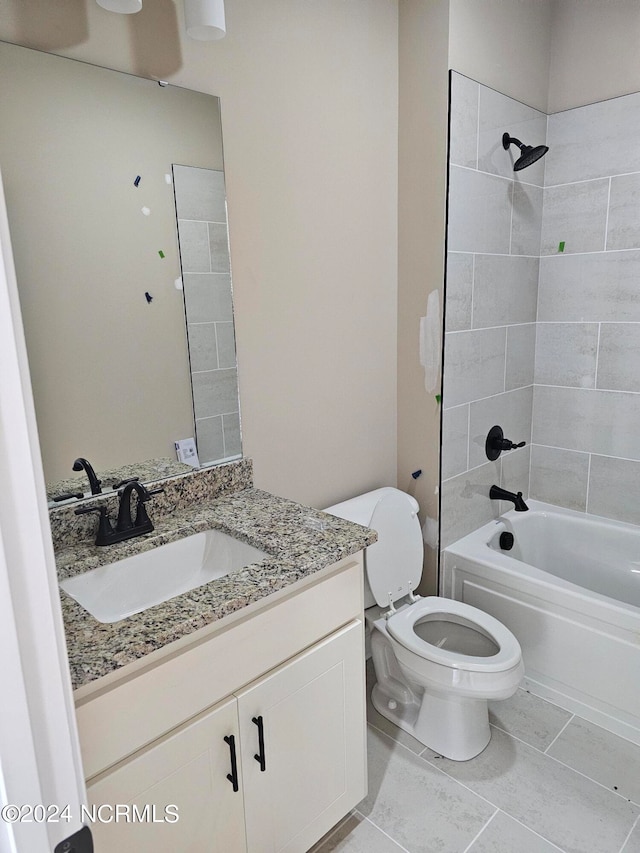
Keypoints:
pixel 561 246
pixel 438 398
pixel 161 253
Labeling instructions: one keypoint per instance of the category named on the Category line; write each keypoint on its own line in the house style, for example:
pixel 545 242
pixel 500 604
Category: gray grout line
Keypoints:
pixel 548 841
pixel 547 748
pixel 475 837
pixel 379 828
pixel 543 257
pixel 564 764
pixel 329 835
pixel 505 178
pixel 630 833
pixel 606 221
pixel 433 763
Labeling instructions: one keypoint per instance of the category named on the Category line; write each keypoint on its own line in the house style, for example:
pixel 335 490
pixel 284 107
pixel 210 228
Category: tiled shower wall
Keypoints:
pixel 493 242
pixel 586 412
pixel 542 312
pixel 206 275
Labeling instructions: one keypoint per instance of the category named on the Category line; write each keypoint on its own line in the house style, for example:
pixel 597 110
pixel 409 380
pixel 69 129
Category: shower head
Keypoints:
pixel 528 153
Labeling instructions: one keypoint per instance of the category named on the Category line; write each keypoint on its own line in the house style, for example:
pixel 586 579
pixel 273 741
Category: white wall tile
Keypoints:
pixel 623 229
pixel 215 392
pixel 619 357
pixel 501 114
pixel 455 441
pixel 614 488
pixel 566 354
pixel 195 254
pixel 604 422
pixel 505 290
pixel 576 215
pixel 232 438
pixel 210 439
pixel 207 297
pixel 463 134
pixel 226 344
pixel 202 347
pixel 526 223
pixel 559 477
pixel 199 193
pixel 521 349
pixel 465 502
pixel 515 473
pixel 473 365
pixel 600 287
pixel 511 411
pixel 459 291
pixel 593 141
pixel 479 212
pixel 219 247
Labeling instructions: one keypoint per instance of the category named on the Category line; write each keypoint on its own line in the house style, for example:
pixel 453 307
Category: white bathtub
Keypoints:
pixel 569 590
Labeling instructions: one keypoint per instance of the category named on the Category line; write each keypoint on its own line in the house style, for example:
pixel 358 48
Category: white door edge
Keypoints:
pixel 41 711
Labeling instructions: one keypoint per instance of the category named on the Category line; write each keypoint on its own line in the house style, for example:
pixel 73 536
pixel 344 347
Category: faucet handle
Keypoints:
pixel 105 528
pixel 496 443
pixel 142 516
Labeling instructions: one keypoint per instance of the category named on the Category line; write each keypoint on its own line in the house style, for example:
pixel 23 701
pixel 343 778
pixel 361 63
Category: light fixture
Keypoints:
pixel 204 19
pixel 124 7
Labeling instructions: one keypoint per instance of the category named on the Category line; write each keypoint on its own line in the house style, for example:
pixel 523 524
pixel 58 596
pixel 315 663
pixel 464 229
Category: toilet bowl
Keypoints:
pixel 437 661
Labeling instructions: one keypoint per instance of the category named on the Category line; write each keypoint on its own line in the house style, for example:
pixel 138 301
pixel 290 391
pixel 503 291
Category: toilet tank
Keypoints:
pixel 359 510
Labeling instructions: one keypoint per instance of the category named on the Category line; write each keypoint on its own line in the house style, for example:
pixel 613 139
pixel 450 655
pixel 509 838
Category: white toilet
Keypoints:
pixel 437 661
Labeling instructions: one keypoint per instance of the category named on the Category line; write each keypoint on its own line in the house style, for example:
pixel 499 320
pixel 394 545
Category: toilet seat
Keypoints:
pixel 400 626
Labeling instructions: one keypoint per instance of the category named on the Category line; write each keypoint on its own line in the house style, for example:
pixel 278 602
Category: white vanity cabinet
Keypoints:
pixel 186 770
pixel 307 769
pixel 298 732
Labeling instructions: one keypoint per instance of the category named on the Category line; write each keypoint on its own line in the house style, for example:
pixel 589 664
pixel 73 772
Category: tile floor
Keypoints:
pixel 548 781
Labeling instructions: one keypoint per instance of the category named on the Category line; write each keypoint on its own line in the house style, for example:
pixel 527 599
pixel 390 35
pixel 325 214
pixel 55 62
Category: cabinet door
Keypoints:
pixel 188 769
pixel 302 733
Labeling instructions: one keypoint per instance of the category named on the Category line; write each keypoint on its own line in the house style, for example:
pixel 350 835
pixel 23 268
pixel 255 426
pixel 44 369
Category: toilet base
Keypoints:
pixel 455 727
pixel 450 724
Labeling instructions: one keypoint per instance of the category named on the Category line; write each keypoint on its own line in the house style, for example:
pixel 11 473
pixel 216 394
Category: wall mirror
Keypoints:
pixel 128 350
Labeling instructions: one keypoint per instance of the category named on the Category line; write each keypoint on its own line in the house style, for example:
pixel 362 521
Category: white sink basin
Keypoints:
pixel 113 592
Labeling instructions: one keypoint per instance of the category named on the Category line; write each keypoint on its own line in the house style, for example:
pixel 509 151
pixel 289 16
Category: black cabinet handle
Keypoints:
pixel 233 776
pixel 260 756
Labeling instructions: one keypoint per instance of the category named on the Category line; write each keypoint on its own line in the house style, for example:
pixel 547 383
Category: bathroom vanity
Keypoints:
pixel 238 706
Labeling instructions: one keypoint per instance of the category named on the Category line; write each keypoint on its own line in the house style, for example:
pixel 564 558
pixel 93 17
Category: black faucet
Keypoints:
pixel 94 482
pixel 142 524
pixel 498 494
pixel 125 528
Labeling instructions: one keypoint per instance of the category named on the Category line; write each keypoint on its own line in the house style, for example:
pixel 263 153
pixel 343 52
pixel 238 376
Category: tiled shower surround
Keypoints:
pixel 206 275
pixel 542 308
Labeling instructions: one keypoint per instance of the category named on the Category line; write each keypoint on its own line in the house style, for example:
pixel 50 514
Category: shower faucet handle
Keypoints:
pixel 496 443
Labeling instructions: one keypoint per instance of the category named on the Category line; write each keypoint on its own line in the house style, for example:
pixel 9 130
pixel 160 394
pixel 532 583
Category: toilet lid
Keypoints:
pixel 401 626
pixel 394 562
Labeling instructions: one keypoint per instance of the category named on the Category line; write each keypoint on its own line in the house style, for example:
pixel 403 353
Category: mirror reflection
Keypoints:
pixel 90 159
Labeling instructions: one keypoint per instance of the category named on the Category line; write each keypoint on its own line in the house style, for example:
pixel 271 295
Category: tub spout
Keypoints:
pixel 498 494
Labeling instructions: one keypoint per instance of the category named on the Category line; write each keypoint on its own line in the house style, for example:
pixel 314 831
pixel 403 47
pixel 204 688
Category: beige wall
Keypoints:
pixel 110 372
pixel 504 44
pixel 594 51
pixel 309 110
pixel 423 39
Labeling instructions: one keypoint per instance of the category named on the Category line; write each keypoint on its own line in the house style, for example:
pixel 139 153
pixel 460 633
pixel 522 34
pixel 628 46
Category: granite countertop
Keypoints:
pixel 274 524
